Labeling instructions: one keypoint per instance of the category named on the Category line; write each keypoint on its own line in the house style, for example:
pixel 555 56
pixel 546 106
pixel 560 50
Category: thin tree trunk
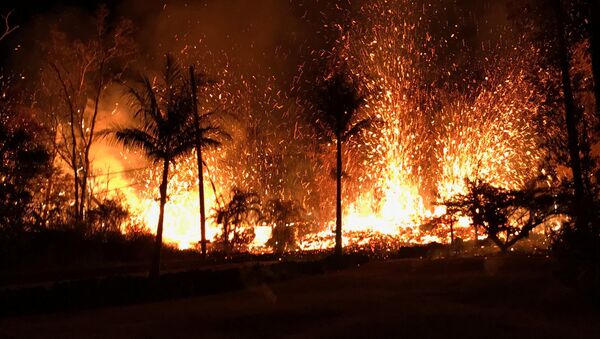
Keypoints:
pixel 226 234
pixel 88 144
pixel 570 108
pixel 75 174
pixel 234 240
pixel 155 268
pixel 338 206
pixel 451 237
pixel 200 167
pixel 69 103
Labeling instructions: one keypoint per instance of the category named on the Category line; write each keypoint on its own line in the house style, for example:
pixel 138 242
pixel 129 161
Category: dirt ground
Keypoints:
pixel 498 297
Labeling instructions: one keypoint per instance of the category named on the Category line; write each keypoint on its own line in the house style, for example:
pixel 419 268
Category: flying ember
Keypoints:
pixel 430 137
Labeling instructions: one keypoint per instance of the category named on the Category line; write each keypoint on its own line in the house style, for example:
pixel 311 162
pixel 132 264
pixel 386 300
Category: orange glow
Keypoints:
pixel 430 141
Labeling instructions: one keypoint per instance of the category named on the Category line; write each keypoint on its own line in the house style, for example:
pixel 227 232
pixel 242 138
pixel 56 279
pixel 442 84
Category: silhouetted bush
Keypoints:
pixel 23 159
pixel 506 216
pixel 237 218
pixel 60 248
pixel 283 215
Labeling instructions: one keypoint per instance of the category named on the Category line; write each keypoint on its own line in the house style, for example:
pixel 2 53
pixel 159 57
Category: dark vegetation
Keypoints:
pixel 50 217
pixel 237 217
pixel 507 216
pixel 283 215
pixel 92 293
pixel 337 104
pixel 166 131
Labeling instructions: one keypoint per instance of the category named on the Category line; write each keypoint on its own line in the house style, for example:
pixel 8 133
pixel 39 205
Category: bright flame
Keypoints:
pixel 431 140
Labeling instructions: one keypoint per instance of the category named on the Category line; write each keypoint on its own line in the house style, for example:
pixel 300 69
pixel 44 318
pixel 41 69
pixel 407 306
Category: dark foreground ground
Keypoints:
pixel 466 298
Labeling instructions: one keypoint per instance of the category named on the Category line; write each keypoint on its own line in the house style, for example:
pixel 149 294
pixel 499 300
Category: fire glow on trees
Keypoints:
pixel 434 134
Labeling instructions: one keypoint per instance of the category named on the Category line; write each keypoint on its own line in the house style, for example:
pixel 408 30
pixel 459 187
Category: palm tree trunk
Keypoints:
pixel 202 206
pixel 570 108
pixel 338 206
pixel 451 237
pixel 155 268
pixel 200 169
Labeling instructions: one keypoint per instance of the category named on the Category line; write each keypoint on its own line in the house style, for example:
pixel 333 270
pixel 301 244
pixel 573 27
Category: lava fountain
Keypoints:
pixel 434 135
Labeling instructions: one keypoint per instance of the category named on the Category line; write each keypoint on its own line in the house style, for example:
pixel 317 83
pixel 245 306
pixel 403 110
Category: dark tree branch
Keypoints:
pixel 7 28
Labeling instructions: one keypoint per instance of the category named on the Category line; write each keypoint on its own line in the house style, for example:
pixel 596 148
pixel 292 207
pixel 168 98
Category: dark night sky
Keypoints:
pixel 250 30
pixel 259 37
pixel 230 24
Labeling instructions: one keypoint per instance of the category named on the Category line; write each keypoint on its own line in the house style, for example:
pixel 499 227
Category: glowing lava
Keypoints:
pixel 432 137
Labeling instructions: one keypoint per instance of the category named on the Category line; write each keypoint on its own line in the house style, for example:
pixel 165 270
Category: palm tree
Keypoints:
pixel 242 209
pixel 165 132
pixel 338 101
pixel 206 135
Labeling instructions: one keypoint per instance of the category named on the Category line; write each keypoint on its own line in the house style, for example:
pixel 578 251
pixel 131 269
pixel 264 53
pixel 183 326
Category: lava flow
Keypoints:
pixel 432 136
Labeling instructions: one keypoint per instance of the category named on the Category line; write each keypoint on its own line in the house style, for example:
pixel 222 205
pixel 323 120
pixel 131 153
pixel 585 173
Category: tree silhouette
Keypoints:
pixel 507 216
pixel 8 29
pixel 165 132
pixel 338 101
pixel 22 160
pixel 207 134
pixel 242 209
pixel 281 214
pixel 571 114
pixel 80 71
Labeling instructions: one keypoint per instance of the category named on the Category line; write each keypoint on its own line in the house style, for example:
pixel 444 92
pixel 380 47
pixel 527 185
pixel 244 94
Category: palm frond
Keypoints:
pixel 357 128
pixel 172 73
pixel 140 139
pixel 337 101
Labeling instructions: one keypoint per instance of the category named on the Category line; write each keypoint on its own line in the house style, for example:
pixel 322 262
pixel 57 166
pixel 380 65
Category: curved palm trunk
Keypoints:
pixel 155 268
pixel 200 167
pixel 338 206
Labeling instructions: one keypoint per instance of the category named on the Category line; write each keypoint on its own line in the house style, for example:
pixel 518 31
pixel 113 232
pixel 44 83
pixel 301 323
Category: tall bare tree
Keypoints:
pixel 81 71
